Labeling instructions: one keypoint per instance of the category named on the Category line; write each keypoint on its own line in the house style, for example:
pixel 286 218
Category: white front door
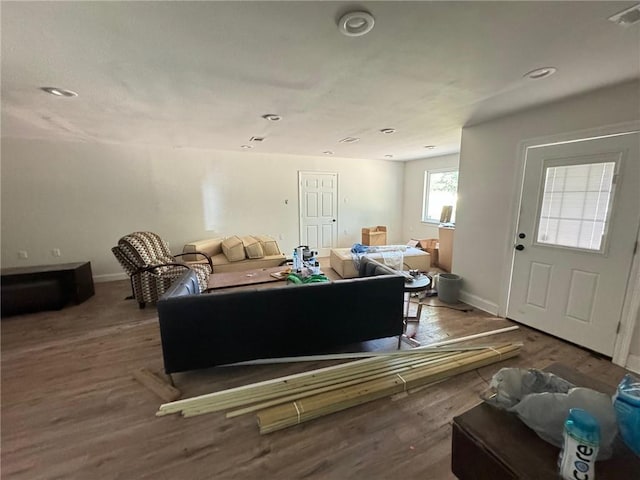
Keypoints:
pixel 318 211
pixel 575 239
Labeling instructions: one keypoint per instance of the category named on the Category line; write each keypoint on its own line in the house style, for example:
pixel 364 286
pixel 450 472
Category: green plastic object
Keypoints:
pixel 299 279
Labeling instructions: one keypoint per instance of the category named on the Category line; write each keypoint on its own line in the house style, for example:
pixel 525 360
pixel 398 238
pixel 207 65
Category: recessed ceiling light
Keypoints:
pixel 272 117
pixel 59 92
pixel 356 24
pixel 349 140
pixel 429 147
pixel 539 73
pixel 328 152
pixel 388 156
pixel 388 130
pixel 246 147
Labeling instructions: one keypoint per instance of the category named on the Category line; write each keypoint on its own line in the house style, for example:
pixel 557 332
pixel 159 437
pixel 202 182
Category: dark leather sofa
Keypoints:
pixel 205 330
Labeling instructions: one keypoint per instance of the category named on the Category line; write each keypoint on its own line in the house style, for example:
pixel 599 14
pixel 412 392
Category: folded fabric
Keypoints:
pixel 359 248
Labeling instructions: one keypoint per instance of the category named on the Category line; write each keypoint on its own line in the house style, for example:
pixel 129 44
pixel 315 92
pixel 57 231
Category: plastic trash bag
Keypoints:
pixel 627 406
pixel 509 386
pixel 542 401
pixel 393 259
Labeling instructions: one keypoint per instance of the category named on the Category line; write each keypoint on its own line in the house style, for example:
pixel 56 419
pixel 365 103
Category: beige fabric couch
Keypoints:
pixel 235 254
pixel 341 260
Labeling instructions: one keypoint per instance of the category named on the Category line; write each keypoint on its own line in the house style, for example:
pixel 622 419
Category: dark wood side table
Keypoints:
pixel 45 287
pixel 491 444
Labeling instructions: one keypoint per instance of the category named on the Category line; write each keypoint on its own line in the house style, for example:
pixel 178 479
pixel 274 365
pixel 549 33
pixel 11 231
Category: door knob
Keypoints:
pixel 522 235
pixel 519 247
pixel 333 220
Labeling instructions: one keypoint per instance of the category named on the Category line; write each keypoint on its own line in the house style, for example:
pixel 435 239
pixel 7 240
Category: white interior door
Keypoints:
pixel 576 234
pixel 319 211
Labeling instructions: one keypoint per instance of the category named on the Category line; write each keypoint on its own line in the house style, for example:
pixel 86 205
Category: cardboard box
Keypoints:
pixel 374 235
pixel 431 246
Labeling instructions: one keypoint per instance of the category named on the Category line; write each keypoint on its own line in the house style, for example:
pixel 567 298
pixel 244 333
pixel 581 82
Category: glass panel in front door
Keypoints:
pixel 575 206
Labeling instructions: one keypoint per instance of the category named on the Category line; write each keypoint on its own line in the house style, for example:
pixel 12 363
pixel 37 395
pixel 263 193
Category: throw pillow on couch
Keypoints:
pixel 252 247
pixel 233 249
pixel 269 245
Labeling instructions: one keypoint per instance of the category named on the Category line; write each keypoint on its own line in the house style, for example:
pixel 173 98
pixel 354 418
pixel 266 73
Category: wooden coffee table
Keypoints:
pixel 240 279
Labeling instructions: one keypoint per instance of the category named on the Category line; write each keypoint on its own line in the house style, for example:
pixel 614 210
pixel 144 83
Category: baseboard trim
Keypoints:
pixel 110 277
pixel 633 363
pixel 479 303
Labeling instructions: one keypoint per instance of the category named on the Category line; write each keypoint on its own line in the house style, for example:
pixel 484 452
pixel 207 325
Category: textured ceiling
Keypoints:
pixel 201 74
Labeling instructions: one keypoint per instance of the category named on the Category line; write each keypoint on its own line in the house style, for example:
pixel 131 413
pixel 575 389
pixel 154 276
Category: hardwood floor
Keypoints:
pixel 72 410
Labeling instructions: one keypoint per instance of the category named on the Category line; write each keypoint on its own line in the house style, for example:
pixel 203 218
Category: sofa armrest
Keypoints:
pixel 370 267
pixel 195 254
pixel 210 247
pixel 186 284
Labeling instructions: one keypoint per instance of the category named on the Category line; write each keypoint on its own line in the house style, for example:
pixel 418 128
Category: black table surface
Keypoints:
pixel 40 268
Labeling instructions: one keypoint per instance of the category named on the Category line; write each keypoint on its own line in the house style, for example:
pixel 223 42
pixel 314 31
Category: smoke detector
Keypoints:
pixel 356 24
pixel 627 17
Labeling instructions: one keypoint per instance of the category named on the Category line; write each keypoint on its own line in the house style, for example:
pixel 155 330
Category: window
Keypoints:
pixel 575 205
pixel 440 189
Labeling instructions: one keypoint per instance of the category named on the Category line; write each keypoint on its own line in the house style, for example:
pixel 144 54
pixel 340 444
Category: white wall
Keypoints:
pixel 489 163
pixel 413 226
pixel 81 198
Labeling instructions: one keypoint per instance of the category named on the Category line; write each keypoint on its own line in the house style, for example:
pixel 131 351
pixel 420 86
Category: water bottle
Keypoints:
pixel 296 261
pixel 580 447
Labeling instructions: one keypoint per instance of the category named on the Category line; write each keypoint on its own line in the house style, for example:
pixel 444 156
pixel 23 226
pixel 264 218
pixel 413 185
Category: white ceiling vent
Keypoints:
pixel 349 140
pixel 627 17
pixel 256 139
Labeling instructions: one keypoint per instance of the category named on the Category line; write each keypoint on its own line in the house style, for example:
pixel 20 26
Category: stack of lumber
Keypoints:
pixel 291 400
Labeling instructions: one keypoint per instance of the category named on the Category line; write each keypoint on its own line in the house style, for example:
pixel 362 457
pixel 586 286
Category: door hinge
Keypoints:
pixel 618 328
pixel 614 180
pixel 635 248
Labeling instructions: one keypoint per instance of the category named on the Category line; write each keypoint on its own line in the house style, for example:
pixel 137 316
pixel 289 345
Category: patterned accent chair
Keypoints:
pixel 152 268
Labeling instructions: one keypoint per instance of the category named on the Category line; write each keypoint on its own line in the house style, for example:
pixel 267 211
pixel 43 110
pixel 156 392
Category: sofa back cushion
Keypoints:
pixel 252 247
pixel 269 245
pixel 233 249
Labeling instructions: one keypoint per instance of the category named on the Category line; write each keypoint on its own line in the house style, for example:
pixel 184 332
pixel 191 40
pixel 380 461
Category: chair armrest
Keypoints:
pixel 148 268
pixel 198 253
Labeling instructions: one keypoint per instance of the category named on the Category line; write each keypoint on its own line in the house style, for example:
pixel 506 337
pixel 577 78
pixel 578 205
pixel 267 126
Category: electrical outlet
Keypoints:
pixel 56 252
pixel 23 254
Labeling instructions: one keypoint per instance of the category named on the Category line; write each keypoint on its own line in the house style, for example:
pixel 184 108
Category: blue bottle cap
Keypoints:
pixel 583 423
